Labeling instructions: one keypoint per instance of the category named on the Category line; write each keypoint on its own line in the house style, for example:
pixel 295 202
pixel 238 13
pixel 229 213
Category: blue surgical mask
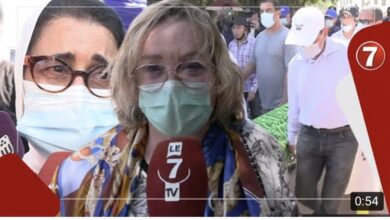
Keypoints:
pixel 284 21
pixel 176 110
pixel 64 121
pixel 347 28
pixel 329 23
pixel 267 19
pixel 360 25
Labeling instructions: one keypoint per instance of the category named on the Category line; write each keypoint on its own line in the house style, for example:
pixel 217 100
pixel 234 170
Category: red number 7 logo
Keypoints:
pixel 370 55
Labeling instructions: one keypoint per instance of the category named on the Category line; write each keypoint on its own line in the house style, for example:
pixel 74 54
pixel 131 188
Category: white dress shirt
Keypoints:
pixel 339 36
pixel 312 89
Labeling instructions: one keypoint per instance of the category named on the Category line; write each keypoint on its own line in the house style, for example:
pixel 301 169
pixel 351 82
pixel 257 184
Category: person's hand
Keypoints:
pixel 293 150
pixel 255 24
pixel 251 96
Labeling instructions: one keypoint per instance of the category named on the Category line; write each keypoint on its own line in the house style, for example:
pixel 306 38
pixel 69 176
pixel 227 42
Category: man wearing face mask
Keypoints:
pixel 330 21
pixel 242 47
pixel 271 58
pixel 369 16
pixel 316 124
pixel 348 18
pixel 285 16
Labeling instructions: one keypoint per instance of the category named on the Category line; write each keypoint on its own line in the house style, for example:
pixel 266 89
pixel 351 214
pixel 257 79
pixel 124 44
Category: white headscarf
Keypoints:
pixel 27 19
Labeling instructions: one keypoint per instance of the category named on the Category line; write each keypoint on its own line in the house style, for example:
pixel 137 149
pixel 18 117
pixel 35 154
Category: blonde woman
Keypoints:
pixel 173 78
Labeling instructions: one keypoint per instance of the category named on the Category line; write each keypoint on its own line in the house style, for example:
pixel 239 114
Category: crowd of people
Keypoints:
pixel 252 36
pixel 309 61
pixel 80 84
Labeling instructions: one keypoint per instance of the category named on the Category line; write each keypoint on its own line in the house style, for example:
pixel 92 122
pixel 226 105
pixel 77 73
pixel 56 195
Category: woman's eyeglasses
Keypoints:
pixel 190 73
pixel 54 75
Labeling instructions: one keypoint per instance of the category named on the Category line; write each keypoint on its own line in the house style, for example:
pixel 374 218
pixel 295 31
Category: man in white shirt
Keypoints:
pixel 331 20
pixel 348 19
pixel 316 124
pixel 369 16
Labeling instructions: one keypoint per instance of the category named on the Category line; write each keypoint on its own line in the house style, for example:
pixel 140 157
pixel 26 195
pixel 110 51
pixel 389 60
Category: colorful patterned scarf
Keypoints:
pixel 102 179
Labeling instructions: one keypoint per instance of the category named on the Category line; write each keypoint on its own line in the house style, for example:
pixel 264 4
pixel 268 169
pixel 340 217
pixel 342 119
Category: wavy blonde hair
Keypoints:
pixel 228 82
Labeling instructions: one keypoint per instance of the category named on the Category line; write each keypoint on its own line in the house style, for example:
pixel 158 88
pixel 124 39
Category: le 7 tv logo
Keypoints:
pixel 370 55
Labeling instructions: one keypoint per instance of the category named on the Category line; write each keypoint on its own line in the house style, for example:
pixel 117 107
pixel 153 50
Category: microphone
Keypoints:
pixel 22 193
pixel 177 182
pixel 10 141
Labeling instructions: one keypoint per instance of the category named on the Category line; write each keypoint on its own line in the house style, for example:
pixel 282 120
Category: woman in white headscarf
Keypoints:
pixel 62 89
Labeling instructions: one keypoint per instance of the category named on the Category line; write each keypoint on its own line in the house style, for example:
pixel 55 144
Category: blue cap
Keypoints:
pixel 284 11
pixel 331 13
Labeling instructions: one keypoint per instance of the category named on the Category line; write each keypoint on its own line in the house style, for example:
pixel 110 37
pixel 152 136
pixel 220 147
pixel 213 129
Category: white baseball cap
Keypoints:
pixel 305 27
